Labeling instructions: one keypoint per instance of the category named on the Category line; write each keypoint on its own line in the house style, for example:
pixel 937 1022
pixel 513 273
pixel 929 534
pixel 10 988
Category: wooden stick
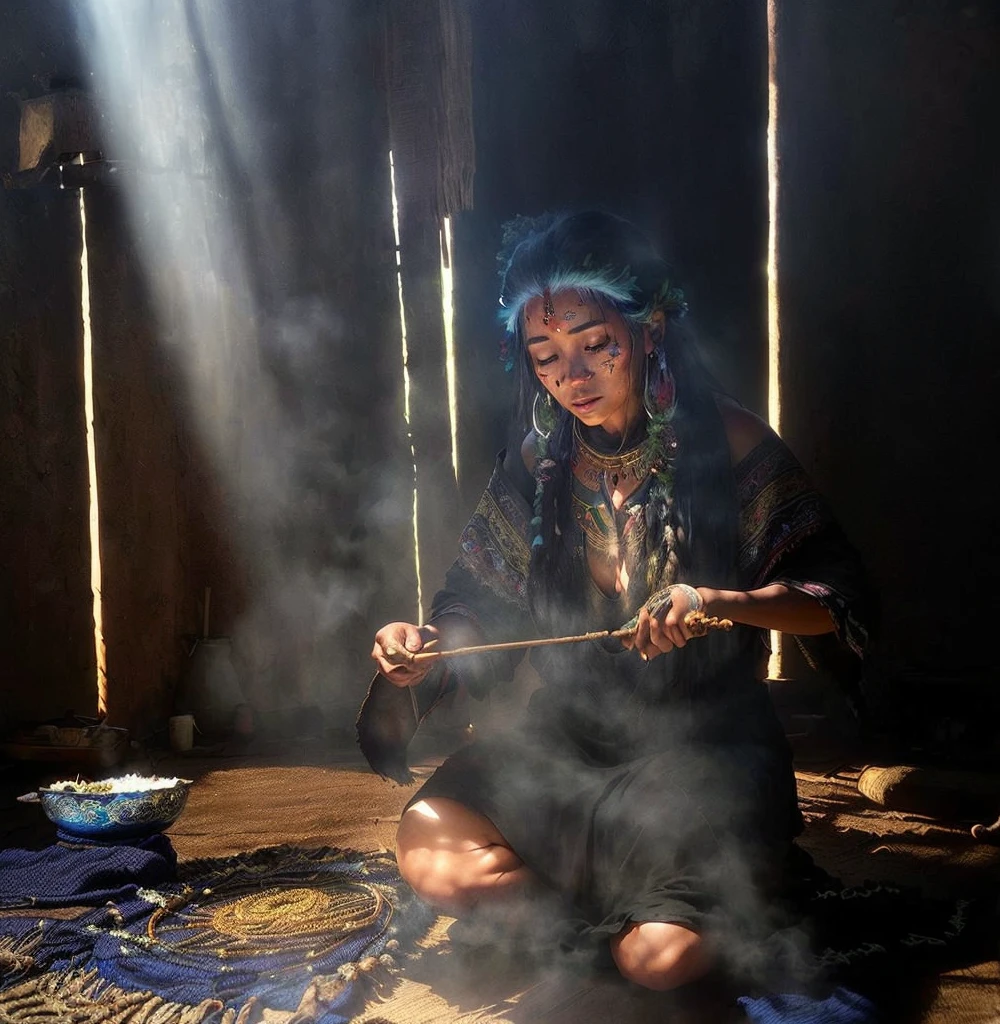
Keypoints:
pixel 697 622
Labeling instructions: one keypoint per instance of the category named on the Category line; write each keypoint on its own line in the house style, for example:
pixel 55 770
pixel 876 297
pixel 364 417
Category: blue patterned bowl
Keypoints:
pixel 107 817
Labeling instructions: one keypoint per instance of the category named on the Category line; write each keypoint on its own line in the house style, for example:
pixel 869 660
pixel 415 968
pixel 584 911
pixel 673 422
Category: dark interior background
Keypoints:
pixel 890 301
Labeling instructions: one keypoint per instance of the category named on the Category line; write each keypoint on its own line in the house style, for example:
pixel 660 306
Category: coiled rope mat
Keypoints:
pixel 279 934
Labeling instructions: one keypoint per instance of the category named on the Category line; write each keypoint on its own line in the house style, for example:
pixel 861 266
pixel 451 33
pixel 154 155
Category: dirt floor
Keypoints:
pixel 316 794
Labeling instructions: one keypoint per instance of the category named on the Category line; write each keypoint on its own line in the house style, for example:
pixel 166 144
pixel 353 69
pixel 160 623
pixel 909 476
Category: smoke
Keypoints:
pixel 258 241
pixel 626 810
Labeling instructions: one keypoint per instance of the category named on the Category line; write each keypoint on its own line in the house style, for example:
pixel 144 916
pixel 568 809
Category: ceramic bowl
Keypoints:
pixel 107 817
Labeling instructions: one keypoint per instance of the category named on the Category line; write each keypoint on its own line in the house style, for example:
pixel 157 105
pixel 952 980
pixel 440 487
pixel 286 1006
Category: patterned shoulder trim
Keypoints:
pixel 494 547
pixel 779 508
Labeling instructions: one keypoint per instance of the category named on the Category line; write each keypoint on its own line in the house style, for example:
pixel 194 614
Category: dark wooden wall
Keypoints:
pixel 46 638
pixel 890 313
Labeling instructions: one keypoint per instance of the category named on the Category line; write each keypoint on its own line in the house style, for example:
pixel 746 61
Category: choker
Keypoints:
pixel 594 467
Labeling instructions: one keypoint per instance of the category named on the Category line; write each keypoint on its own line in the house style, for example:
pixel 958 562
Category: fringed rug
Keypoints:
pixel 279 934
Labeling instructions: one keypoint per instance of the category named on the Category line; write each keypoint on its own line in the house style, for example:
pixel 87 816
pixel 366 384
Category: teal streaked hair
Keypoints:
pixel 621 288
pixel 595 254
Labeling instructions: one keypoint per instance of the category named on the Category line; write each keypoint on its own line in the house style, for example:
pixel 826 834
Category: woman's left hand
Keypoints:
pixel 660 632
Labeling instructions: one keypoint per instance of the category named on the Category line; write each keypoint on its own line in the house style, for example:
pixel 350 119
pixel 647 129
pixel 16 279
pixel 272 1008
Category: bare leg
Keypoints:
pixel 454 857
pixel 659 955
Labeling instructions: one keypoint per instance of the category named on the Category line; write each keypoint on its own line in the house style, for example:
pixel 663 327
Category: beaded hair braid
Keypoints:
pixel 550 513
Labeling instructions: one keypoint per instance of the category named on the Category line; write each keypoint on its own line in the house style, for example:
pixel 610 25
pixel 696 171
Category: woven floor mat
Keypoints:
pixel 244 806
pixel 81 996
pixel 855 840
pixel 306 932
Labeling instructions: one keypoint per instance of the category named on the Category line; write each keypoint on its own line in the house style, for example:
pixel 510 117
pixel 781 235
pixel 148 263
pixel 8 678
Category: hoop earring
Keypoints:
pixel 659 395
pixel 543 417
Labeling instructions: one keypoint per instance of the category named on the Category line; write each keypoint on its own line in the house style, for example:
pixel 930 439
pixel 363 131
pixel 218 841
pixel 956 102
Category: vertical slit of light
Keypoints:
pixel 448 309
pixel 406 382
pixel 775 666
pixel 95 513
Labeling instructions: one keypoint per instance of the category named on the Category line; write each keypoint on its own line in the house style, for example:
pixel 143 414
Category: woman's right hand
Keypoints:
pixel 393 642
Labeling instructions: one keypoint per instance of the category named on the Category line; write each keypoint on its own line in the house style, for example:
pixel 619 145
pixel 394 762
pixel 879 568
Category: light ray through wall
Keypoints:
pixel 96 582
pixel 406 381
pixel 448 309
pixel 775 663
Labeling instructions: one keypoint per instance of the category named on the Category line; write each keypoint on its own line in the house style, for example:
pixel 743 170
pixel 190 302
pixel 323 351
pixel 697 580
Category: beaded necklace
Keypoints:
pixel 594 468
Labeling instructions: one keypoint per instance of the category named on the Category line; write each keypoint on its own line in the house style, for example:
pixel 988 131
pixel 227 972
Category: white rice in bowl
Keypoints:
pixel 122 784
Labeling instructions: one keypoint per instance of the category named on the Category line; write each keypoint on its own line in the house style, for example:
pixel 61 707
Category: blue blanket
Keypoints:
pixel 839 1007
pixel 74 873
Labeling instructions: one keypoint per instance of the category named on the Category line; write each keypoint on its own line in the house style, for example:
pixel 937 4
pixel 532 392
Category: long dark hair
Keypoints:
pixel 610 260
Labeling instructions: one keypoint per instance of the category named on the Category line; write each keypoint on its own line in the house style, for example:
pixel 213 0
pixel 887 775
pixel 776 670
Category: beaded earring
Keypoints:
pixel 544 417
pixel 659 396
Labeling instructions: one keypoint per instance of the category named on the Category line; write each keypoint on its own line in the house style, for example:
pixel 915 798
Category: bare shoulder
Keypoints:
pixel 528 451
pixel 517 460
pixel 744 429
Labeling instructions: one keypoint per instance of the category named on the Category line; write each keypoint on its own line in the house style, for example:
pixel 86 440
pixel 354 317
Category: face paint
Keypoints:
pixel 550 310
pixel 577 354
pixel 614 351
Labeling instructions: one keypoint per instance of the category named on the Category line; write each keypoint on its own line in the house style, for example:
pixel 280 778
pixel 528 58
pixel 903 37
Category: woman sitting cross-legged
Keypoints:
pixel 647 796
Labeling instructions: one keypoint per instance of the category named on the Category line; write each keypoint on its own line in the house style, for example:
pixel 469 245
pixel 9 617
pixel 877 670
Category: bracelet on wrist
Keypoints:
pixel 695 600
pixel 661 601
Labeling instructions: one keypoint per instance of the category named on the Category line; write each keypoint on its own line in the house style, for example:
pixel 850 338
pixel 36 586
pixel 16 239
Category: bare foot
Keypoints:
pixel 987 833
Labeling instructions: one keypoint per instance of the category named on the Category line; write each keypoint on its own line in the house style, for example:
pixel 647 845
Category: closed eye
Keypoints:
pixel 600 345
pixel 545 362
